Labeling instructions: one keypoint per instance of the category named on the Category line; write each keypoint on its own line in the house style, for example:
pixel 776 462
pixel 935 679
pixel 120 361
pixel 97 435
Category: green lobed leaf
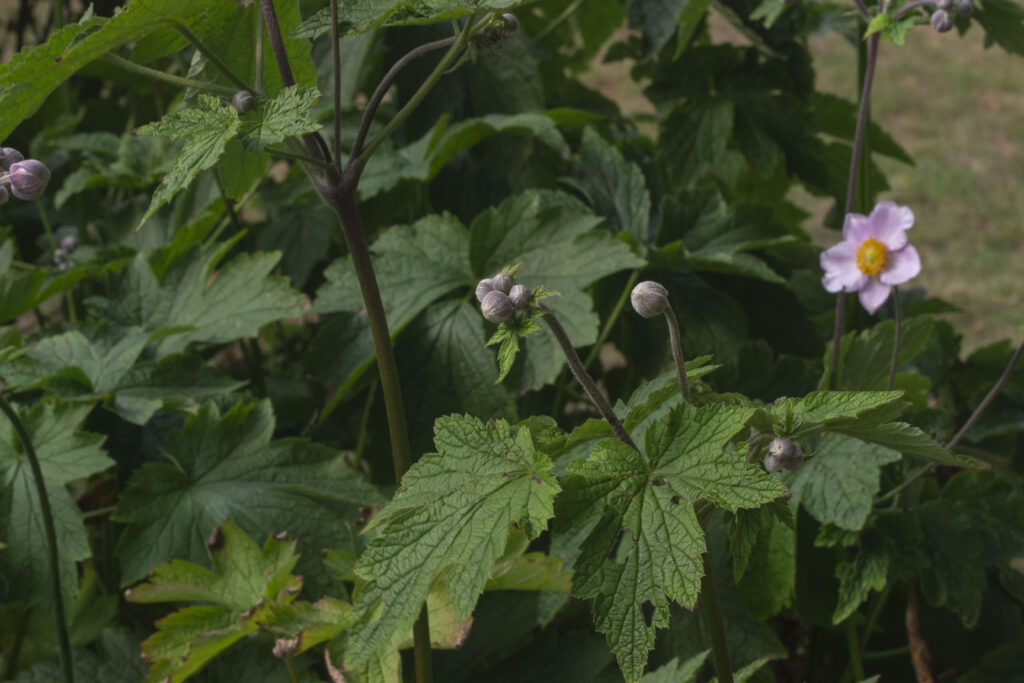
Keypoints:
pixel 284 116
pixel 868 571
pixel 1003 22
pixel 955 578
pixel 693 138
pixel 451 514
pixel 677 671
pixel 359 16
pixel 647 521
pixel 614 187
pixel 864 357
pixel 66 453
pixel 226 466
pixel 207 130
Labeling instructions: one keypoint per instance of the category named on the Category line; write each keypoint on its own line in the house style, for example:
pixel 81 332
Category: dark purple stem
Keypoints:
pixel 336 56
pixel 911 7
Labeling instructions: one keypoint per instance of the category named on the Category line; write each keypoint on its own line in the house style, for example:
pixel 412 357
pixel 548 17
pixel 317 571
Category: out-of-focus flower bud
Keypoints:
pixel 8 156
pixel 502 282
pixel 242 101
pixel 29 179
pixel 483 288
pixel 69 244
pixel 649 298
pixel 941 21
pixel 520 296
pixel 511 25
pixel 783 452
pixel 496 307
pixel 964 8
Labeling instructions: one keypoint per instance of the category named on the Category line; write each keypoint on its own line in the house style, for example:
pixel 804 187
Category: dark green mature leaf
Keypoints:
pixel 21 291
pixel 864 357
pixel 614 187
pixel 868 571
pixel 956 579
pixel 358 16
pixel 241 298
pixel 550 235
pixel 837 117
pixel 676 671
pixel 905 438
pixel 452 514
pixel 244 581
pixel 117 661
pixel 837 485
pixel 656 20
pixel 284 116
pixel 226 466
pixel 693 138
pixel 1001 665
pixel 647 503
pixel 1003 21
pixel 65 454
pixel 770 580
pixel 424 159
pixel 207 130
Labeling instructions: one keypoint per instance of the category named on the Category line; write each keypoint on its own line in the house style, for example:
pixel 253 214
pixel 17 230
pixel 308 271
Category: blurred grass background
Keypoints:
pixel 958 110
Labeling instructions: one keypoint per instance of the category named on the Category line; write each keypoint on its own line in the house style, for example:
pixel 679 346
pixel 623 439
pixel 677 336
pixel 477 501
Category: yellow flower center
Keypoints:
pixel 872 257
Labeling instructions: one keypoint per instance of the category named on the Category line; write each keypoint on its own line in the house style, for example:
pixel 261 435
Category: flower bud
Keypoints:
pixel 496 307
pixel 649 298
pixel 69 244
pixel 242 101
pixel 4 195
pixel 29 179
pixel 511 25
pixel 964 8
pixel 783 452
pixel 8 156
pixel 520 296
pixel 502 282
pixel 941 21
pixel 483 288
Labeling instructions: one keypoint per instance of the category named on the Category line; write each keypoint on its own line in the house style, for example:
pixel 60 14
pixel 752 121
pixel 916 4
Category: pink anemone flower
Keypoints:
pixel 873 256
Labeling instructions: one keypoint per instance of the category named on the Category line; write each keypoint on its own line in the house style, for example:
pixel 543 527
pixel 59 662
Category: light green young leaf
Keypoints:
pixel 223 466
pixel 207 128
pixel 648 521
pixel 65 454
pixel 615 188
pixel 284 116
pixel 838 484
pixel 530 572
pixel 451 516
pixel 300 625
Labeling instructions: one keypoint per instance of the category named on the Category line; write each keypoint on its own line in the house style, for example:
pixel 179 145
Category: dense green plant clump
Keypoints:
pixel 364 342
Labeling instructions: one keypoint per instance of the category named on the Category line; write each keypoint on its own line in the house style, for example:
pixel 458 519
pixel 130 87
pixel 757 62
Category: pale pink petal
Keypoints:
pixel 889 224
pixel 856 228
pixel 840 265
pixel 903 266
pixel 873 295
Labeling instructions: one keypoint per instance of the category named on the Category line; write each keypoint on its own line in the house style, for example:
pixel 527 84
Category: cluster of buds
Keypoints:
pixel 783 453
pixel 24 178
pixel 942 19
pixel 62 256
pixel 501 299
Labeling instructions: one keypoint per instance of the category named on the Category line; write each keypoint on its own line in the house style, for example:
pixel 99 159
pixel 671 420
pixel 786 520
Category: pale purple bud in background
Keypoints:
pixel 8 156
pixel 29 179
pixel 783 452
pixel 511 25
pixel 964 8
pixel 496 307
pixel 502 282
pixel 520 296
pixel 941 21
pixel 483 288
pixel 649 298
pixel 69 244
pixel 242 101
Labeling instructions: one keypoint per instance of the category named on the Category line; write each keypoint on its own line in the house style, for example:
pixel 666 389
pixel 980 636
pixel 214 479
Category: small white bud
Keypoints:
pixel 502 282
pixel 511 25
pixel 941 21
pixel 649 298
pixel 483 288
pixel 8 156
pixel 496 307
pixel 242 101
pixel 69 244
pixel 520 296
pixel 783 452
pixel 29 179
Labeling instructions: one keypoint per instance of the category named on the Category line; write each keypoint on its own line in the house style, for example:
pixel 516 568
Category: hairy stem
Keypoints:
pixel 677 351
pixel 336 66
pixel 586 381
pixel 897 319
pixel 297 156
pixel 385 84
pixel 210 55
pixel 157 75
pixel 716 625
pixel 859 141
pixel 52 555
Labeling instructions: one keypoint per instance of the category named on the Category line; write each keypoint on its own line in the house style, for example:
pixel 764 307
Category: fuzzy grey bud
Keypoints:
pixel 941 21
pixel 496 307
pixel 511 25
pixel 242 101
pixel 520 296
pixel 964 8
pixel 29 179
pixel 4 195
pixel 649 298
pixel 502 282
pixel 8 156
pixel 69 244
pixel 783 452
pixel 483 288
pixel 944 4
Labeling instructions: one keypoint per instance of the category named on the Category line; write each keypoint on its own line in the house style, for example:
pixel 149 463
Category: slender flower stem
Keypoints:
pixel 355 166
pixel 155 74
pixel 612 318
pixel 48 228
pixel 897 319
pixel 258 80
pixel 853 643
pixel 586 381
pixel 336 59
pixel 569 10
pixel 51 538
pixel 297 156
pixel 859 141
pixel 863 9
pixel 210 55
pixel 910 8
pixel 677 351
pixel 713 613
pixel 385 84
